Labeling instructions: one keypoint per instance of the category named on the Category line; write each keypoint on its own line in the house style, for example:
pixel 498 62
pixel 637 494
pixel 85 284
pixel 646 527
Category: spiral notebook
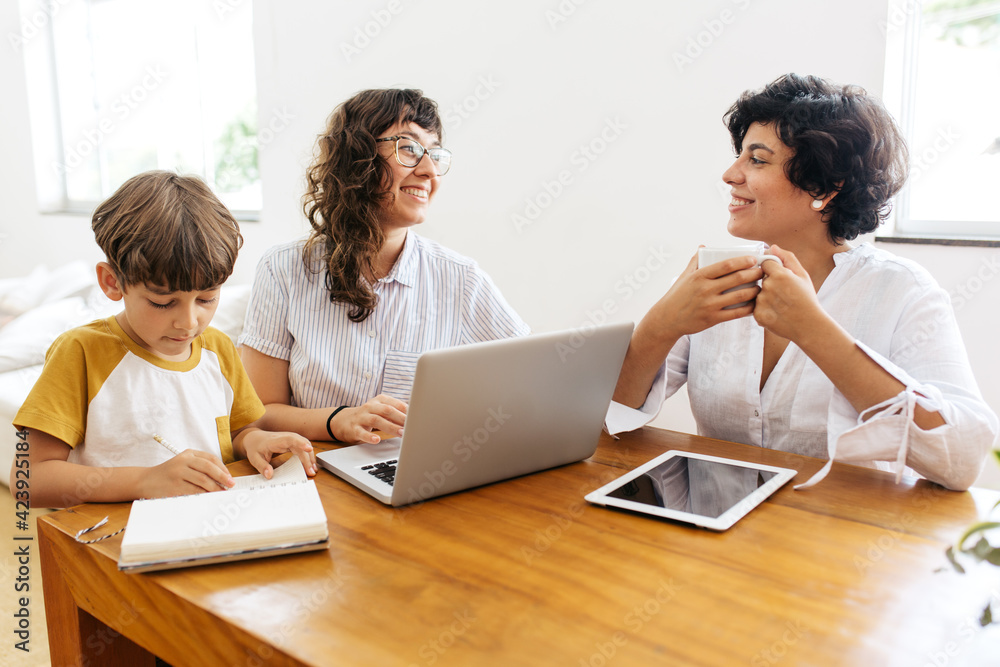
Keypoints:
pixel 258 517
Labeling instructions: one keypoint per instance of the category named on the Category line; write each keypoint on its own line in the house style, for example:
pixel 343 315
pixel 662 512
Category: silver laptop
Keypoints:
pixel 490 411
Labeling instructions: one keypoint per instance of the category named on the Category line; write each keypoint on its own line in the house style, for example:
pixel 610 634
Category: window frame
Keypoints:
pixel 901 81
pixel 49 145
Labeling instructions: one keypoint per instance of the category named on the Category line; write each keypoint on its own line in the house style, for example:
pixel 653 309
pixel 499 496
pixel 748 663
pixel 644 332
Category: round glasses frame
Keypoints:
pixel 441 157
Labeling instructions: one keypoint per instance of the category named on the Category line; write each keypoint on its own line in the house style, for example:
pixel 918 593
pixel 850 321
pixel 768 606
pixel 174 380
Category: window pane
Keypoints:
pixel 156 85
pixel 955 144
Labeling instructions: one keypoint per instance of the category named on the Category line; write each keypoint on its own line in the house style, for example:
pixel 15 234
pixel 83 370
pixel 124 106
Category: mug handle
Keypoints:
pixel 764 258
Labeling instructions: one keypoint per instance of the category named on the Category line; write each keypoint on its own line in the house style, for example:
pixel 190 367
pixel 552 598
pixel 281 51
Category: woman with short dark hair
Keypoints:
pixel 842 140
pixel 851 351
pixel 337 321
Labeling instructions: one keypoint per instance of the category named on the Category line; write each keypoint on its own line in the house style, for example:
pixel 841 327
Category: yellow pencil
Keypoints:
pixel 166 444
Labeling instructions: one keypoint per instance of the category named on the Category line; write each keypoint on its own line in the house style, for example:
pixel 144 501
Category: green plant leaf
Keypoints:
pixel 981 550
pixel 993 556
pixel 978 527
pixel 950 553
pixel 987 616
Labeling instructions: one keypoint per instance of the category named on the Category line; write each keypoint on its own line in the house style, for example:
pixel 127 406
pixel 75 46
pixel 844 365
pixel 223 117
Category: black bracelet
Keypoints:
pixel 330 419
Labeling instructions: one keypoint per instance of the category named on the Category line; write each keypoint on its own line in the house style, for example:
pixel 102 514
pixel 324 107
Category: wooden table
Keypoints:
pixel 525 572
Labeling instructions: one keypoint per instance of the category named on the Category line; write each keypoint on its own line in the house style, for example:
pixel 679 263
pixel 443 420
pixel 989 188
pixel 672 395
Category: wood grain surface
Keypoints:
pixel 525 572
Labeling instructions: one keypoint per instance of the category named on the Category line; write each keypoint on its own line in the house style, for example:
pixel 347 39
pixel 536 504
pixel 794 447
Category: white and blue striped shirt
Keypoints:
pixel 432 298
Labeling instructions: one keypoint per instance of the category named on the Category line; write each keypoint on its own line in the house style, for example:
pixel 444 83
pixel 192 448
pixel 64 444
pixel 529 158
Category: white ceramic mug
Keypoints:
pixel 707 256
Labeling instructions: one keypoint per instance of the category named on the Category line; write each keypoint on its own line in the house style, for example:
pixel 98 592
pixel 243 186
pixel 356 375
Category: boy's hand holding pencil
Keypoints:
pixel 189 471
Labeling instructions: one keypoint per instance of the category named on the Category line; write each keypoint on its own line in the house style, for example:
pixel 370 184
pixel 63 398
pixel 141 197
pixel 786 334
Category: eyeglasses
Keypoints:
pixel 409 153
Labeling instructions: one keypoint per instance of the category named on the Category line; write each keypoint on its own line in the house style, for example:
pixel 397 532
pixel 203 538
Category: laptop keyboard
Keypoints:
pixel 385 471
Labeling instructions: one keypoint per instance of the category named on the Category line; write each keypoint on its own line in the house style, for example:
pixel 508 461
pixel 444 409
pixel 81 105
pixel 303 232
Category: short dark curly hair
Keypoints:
pixel 843 140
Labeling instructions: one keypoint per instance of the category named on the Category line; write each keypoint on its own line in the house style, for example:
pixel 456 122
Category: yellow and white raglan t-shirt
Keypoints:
pixel 106 397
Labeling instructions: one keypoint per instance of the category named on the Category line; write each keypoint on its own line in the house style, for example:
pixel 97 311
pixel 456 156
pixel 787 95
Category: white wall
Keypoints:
pixel 523 86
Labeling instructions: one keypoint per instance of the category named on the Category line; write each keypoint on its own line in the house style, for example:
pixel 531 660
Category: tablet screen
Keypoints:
pixel 705 490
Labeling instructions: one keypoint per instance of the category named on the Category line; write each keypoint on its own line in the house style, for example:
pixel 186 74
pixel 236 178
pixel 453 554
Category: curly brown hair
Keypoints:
pixel 348 190
pixel 843 140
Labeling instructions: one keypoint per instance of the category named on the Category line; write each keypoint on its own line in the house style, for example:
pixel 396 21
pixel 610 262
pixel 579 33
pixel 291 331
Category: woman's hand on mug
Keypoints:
pixel 698 300
pixel 787 305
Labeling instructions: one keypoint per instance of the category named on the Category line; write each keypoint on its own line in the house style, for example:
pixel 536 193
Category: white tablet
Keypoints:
pixel 707 491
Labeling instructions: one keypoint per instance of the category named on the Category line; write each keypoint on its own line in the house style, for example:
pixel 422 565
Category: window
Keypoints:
pixel 943 85
pixel 118 87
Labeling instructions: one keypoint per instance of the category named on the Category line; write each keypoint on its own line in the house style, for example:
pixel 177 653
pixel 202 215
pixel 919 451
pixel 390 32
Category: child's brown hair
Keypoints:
pixel 166 230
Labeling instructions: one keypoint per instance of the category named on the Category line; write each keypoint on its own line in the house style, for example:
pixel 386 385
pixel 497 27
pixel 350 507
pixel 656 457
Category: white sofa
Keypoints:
pixel 36 308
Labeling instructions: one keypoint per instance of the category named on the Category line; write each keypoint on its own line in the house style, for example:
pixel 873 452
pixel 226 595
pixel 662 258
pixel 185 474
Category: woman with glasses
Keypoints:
pixel 845 350
pixel 336 322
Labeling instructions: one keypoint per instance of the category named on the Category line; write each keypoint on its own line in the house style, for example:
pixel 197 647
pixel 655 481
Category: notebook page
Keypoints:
pixel 290 472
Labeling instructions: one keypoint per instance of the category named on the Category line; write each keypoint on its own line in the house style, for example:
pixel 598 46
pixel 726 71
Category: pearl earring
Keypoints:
pixel 817 204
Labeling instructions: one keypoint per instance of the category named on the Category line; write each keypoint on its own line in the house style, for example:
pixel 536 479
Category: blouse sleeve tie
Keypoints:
pixel 882 433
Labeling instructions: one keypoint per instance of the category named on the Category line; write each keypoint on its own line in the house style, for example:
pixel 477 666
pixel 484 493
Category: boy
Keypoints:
pixel 114 394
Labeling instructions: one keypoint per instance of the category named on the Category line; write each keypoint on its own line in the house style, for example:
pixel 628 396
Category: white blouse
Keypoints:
pixel 902 319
